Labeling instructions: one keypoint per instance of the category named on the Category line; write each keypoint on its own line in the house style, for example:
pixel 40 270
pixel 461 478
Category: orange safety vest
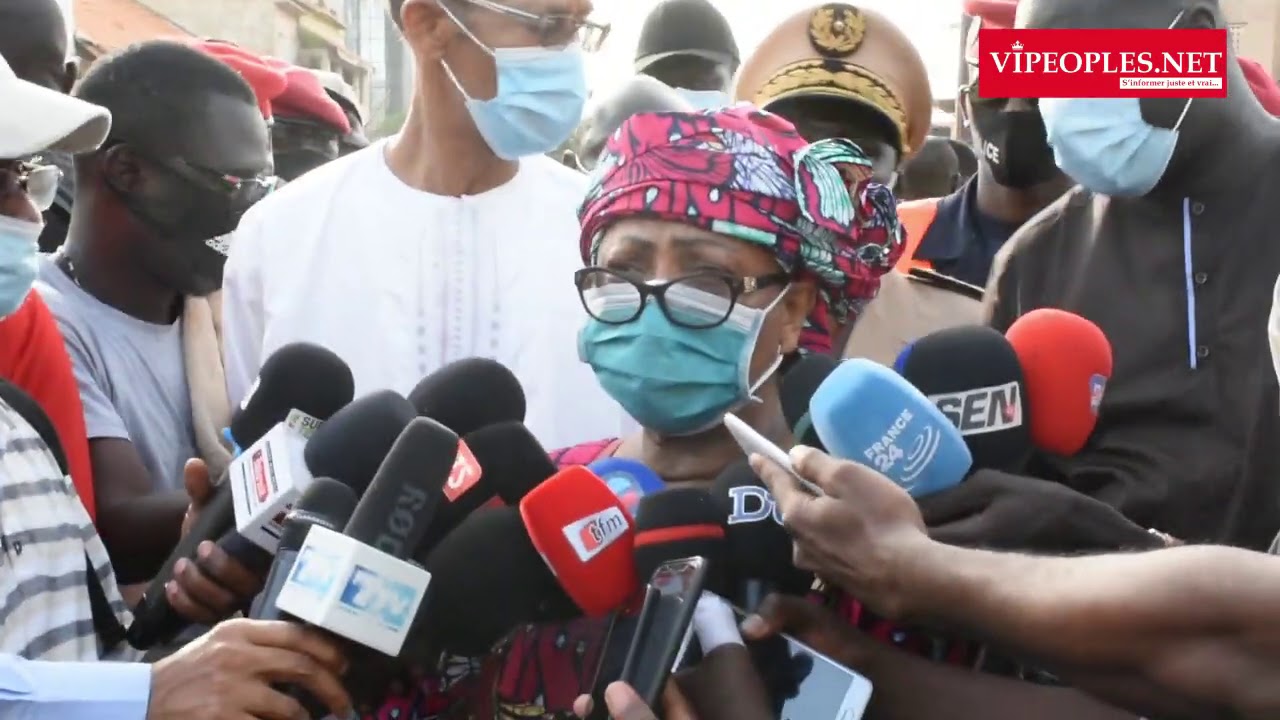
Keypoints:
pixel 915 216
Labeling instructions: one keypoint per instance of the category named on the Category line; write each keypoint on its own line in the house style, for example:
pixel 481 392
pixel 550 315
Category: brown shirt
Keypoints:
pixel 908 307
pixel 1171 442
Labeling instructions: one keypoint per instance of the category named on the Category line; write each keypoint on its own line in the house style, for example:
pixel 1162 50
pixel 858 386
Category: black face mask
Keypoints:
pixel 291 165
pixel 188 225
pixel 1015 146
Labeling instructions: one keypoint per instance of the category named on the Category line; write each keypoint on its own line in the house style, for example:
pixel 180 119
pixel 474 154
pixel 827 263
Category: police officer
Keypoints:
pixel 688 45
pixel 838 70
pixel 959 234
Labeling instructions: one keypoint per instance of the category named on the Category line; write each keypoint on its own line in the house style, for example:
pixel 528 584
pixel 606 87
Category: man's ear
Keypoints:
pixel 121 168
pixel 70 73
pixel 427 28
pixel 797 305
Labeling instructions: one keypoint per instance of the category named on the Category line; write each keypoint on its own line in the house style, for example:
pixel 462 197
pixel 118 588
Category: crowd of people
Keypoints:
pixel 643 258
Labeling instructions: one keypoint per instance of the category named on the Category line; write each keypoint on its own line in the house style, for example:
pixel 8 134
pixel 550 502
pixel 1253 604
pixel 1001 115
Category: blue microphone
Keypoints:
pixel 629 480
pixel 869 414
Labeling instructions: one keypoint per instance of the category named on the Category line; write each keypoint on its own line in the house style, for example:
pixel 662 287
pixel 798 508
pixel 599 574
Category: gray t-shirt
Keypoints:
pixel 131 375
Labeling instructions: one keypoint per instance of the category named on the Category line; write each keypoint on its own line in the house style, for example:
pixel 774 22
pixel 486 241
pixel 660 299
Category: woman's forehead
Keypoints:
pixel 651 237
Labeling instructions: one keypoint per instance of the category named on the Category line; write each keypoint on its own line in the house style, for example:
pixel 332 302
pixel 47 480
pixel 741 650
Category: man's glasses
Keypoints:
pixel 699 301
pixel 39 182
pixel 242 191
pixel 554 29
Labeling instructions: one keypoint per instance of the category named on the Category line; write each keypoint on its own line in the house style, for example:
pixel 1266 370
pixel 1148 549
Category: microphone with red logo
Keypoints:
pixel 564 552
pixel 972 374
pixel 357 584
pixel 299 386
pixel 503 461
pixel 1066 361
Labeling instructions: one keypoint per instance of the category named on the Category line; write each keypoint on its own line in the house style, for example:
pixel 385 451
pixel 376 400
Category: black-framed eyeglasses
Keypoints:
pixel 707 299
pixel 242 191
pixel 31 178
pixel 554 29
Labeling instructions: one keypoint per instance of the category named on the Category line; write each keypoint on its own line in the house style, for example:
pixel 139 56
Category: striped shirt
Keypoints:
pixel 45 538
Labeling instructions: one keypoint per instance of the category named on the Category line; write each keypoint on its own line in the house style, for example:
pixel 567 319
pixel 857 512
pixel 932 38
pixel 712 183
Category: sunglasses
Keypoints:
pixel 39 182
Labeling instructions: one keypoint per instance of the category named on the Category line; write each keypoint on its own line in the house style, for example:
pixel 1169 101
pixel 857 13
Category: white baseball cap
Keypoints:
pixel 35 119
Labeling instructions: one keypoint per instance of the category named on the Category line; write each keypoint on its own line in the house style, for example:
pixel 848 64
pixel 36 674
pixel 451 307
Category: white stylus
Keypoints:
pixel 753 442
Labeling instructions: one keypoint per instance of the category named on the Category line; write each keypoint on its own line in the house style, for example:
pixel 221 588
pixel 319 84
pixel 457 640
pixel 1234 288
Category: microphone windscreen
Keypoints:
pixel 512 461
pixel 757 547
pixel 586 537
pixel 486 579
pixel 400 503
pixel 351 445
pixel 1066 360
pixel 502 460
pixel 629 480
pixel 867 413
pixel 680 523
pixel 326 502
pixel 797 387
pixel 299 376
pixel 971 374
pixel 469 394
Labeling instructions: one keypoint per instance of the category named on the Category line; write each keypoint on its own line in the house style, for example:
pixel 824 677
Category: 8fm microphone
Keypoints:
pixel 502 460
pixel 358 584
pixel 566 551
pixel 972 374
pixel 1066 360
pixel 630 480
pixel 298 385
pixel 758 550
pixel 325 503
pixel 867 413
pixel 469 394
pixel 796 389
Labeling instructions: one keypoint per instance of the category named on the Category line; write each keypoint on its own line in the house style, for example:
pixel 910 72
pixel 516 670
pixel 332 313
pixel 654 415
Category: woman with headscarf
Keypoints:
pixel 715 245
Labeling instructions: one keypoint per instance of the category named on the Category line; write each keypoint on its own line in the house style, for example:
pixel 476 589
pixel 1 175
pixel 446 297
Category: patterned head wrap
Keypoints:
pixel 746 173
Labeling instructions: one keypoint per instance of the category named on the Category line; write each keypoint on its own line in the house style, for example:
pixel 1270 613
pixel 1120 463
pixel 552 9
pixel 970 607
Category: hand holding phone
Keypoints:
pixel 753 442
pixel 665 626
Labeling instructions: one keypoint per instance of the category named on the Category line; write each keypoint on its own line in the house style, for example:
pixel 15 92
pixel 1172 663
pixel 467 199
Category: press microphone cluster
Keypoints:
pixel 299 386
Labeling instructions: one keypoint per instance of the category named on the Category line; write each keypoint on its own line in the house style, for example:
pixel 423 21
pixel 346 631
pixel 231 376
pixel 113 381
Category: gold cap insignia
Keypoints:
pixel 836 30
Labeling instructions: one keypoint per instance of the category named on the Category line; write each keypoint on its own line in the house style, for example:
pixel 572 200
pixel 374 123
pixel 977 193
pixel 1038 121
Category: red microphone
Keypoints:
pixel 585 536
pixel 1066 362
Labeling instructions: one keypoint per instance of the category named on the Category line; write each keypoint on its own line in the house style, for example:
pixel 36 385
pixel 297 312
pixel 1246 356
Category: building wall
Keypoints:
pixel 1255 30
pixel 255 24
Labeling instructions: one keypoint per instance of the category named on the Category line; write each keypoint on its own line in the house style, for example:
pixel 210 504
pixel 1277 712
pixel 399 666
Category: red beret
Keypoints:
pixel 304 98
pixel 1262 84
pixel 267 82
pixel 990 15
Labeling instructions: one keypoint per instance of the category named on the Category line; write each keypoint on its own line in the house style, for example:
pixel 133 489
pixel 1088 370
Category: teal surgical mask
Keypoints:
pixel 19 261
pixel 541 93
pixel 671 379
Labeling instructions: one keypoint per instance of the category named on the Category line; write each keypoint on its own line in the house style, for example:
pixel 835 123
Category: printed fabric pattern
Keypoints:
pixel 748 174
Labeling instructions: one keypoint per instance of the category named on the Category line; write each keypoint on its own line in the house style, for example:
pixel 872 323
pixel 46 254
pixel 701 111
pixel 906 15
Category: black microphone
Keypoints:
pixel 299 376
pixel 680 523
pixel 796 388
pixel 972 374
pixel 405 495
pixel 469 394
pixel 327 503
pixel 487 578
pixel 758 549
pixel 502 460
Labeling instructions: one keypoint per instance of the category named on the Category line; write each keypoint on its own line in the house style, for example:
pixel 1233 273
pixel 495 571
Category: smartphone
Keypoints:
pixel 804 684
pixel 753 442
pixel 664 627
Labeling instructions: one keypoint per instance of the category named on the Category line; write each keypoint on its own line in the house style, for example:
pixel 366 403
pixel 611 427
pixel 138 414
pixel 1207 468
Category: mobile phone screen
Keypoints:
pixel 804 683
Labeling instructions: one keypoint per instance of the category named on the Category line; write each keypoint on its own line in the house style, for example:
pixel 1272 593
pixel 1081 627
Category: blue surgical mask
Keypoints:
pixel 541 93
pixel 1106 146
pixel 705 99
pixel 19 261
pixel 672 379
